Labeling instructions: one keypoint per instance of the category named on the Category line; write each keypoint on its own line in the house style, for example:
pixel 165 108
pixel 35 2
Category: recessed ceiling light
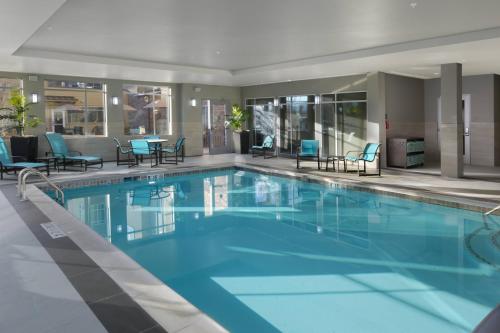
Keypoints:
pixel 413 4
pixel 436 73
pixel 289 80
pixel 218 52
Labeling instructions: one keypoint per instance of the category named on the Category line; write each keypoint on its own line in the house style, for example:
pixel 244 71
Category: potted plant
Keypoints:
pixel 241 138
pixel 21 145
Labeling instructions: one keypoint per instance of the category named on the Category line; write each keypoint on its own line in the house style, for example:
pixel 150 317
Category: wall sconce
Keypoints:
pixel 193 101
pixel 34 98
pixel 115 100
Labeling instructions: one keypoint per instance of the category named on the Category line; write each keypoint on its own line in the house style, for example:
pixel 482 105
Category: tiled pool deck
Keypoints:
pixel 41 279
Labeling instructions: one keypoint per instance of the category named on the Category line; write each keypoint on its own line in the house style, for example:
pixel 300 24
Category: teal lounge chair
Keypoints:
pixel 66 156
pixel 140 148
pixel 267 145
pixel 7 163
pixel 177 150
pixel 308 149
pixel 369 154
pixel 121 150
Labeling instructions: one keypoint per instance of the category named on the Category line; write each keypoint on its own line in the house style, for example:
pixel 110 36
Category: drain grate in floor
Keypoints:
pixel 53 230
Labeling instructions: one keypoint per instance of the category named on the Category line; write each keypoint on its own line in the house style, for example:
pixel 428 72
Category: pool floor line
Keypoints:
pixel 114 308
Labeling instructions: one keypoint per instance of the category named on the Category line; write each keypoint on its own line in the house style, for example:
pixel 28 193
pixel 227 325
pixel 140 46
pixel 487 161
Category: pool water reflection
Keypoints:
pixel 267 254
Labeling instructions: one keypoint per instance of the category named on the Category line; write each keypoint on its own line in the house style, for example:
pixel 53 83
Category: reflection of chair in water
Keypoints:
pixel 145 195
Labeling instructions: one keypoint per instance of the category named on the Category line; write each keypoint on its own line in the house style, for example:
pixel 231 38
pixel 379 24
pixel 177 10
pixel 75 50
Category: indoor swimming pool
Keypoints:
pixel 262 253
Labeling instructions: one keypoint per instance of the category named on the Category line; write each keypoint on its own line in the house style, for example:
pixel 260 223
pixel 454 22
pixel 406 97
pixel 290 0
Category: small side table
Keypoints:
pixel 48 159
pixel 338 159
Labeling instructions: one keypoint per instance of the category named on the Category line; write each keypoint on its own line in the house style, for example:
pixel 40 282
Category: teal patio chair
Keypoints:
pixel 7 162
pixel 176 150
pixel 121 150
pixel 369 154
pixel 267 145
pixel 65 156
pixel 308 149
pixel 140 148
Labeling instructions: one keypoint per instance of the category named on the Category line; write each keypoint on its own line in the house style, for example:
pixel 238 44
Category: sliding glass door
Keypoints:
pixel 328 125
pixel 296 122
pixel 264 118
pixel 337 120
pixel 351 122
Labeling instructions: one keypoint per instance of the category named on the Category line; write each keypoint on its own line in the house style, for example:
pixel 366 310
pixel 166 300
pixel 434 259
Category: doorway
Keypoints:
pixel 215 131
pixel 296 122
pixel 466 114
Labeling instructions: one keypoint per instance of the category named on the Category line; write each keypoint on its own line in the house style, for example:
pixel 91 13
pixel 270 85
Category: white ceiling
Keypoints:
pixel 242 42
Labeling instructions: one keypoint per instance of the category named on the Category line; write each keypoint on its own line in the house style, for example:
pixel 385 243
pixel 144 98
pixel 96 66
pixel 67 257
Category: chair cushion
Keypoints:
pixel 22 165
pixel 307 154
pixel 169 150
pixel 83 158
pixel 351 158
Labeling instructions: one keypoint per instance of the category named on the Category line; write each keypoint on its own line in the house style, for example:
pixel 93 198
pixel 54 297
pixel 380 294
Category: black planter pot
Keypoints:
pixel 25 146
pixel 241 142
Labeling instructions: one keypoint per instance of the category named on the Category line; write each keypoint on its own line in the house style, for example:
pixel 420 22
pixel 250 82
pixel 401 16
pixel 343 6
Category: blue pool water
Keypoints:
pixel 267 254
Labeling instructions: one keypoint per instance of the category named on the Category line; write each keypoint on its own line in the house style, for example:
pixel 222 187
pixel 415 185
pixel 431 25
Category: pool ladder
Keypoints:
pixel 23 176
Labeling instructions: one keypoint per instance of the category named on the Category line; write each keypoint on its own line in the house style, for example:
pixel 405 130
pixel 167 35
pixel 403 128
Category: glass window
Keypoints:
pixel 327 98
pixel 6 86
pixel 351 96
pixel 262 111
pixel 147 110
pixel 75 108
pixel 351 122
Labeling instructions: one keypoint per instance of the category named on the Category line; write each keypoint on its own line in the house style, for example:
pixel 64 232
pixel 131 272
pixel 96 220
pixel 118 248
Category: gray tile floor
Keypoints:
pixel 37 297
pixel 35 294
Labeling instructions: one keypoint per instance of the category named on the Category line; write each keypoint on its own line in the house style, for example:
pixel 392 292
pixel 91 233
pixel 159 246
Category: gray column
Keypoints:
pixel 452 123
pixel 375 131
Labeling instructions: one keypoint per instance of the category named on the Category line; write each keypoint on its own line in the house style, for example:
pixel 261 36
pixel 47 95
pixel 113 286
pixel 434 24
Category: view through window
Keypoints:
pixel 147 110
pixel 75 108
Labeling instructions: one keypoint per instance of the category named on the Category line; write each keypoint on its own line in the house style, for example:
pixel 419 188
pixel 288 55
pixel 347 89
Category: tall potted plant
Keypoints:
pixel 241 138
pixel 20 144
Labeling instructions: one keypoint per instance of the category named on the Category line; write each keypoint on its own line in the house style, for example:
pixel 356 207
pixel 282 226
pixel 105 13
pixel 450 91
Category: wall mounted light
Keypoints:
pixel 34 98
pixel 115 100
pixel 193 101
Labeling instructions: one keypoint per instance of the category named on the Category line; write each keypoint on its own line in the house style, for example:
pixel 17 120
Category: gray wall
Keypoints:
pixel 482 129
pixel 404 106
pixel 496 106
pixel 376 91
pixel 306 87
pixel 191 117
pixel 182 112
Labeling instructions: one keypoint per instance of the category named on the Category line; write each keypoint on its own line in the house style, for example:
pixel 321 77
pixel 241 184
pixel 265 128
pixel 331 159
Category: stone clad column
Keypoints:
pixel 452 123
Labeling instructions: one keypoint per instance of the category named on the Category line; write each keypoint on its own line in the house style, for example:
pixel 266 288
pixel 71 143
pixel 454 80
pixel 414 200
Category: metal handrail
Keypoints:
pixel 23 176
pixel 492 210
